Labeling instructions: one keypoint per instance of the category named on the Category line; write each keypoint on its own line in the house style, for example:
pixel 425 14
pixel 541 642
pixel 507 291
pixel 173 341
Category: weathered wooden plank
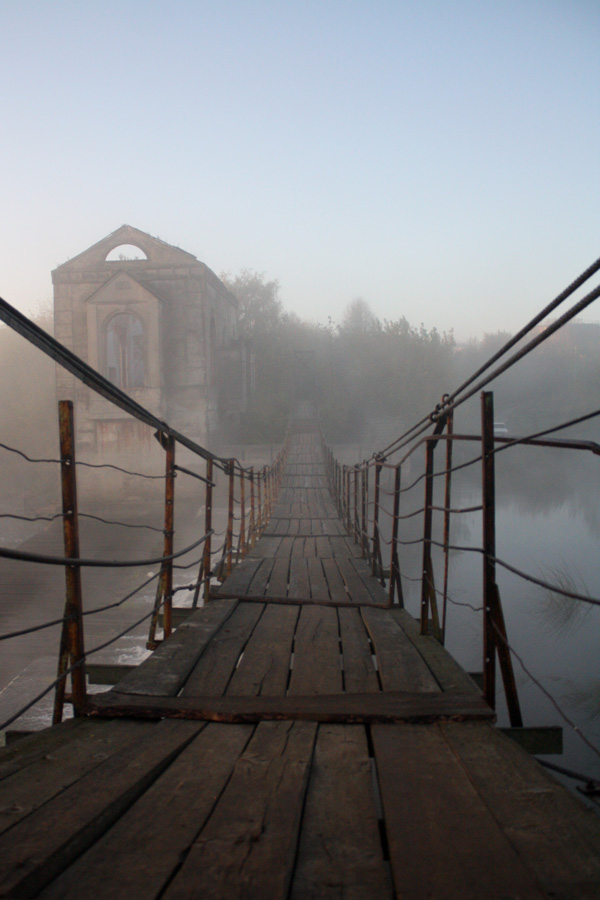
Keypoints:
pixel 401 668
pixel 318 583
pixel 360 675
pixel 212 673
pixel 278 580
pixel 167 669
pixel 30 749
pixel 248 846
pixel 298 601
pixel 140 853
pixel 265 666
pixel 299 584
pixel 279 526
pixel 239 580
pixel 61 765
pixel 401 706
pixel 323 547
pixel 286 546
pixel 41 846
pixel 107 673
pixel 340 853
pixel 340 547
pixel 545 823
pixel 354 584
pixel 352 548
pixel 335 582
pixel 449 675
pixel 316 668
pixel 266 548
pixel 443 841
pixel 260 579
pixel 377 593
pixel 310 547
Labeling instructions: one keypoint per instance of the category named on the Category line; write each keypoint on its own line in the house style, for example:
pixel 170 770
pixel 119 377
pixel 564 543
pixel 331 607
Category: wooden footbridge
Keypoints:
pixel 296 737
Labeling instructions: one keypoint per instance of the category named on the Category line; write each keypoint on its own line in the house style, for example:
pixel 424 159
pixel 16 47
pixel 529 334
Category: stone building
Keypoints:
pixel 160 325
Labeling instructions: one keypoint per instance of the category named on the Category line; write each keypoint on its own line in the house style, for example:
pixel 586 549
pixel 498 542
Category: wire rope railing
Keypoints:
pixel 364 503
pixel 251 490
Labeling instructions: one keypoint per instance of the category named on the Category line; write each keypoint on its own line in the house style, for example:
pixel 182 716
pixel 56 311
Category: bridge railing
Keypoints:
pixel 246 492
pixel 373 498
pixel 363 502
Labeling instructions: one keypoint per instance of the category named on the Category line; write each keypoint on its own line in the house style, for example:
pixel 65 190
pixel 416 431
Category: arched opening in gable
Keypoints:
pixel 126 252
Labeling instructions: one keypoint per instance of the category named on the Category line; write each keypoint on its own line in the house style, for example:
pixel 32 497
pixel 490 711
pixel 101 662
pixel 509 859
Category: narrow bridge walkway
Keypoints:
pixel 293 739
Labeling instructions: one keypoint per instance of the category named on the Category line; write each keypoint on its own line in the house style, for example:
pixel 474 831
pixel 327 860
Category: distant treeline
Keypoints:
pixel 365 370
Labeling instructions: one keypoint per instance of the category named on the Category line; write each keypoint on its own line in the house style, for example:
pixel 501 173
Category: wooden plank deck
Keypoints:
pixel 294 739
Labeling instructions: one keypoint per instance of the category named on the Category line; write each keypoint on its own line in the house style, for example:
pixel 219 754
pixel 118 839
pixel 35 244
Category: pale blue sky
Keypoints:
pixel 439 158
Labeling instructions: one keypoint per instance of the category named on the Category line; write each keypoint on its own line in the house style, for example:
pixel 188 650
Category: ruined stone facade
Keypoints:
pixel 162 327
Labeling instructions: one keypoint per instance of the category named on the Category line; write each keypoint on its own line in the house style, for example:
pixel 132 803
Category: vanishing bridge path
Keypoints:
pixel 294 738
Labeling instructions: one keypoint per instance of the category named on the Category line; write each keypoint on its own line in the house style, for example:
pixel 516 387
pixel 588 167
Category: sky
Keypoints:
pixel 438 158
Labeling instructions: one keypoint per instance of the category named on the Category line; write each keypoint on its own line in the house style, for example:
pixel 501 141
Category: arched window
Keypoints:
pixel 125 252
pixel 125 364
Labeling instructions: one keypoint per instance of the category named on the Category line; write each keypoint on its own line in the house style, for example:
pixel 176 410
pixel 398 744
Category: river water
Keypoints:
pixel 547 525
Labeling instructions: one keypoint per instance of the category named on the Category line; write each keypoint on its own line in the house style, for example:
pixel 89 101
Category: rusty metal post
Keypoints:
pixel 268 488
pixel 229 535
pixel 364 501
pixel 395 577
pixel 164 590
pixel 427 581
pixel 242 542
pixel 376 561
pixel 169 534
pixel 207 529
pixel 71 644
pixel 356 519
pixel 252 523
pixel 347 498
pixel 259 517
pixel 489 546
pixel 447 500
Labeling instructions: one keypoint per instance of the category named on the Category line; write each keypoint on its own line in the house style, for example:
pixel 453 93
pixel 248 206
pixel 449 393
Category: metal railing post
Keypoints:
pixel 164 590
pixel 356 519
pixel 489 545
pixel 252 523
pixel 494 628
pixel 229 535
pixel 207 567
pixel 395 577
pixel 242 542
pixel 376 561
pixel 71 643
pixel 364 501
pixel 427 579
pixel 447 500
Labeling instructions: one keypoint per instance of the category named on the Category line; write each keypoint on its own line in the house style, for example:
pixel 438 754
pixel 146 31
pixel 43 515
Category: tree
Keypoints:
pixel 260 306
